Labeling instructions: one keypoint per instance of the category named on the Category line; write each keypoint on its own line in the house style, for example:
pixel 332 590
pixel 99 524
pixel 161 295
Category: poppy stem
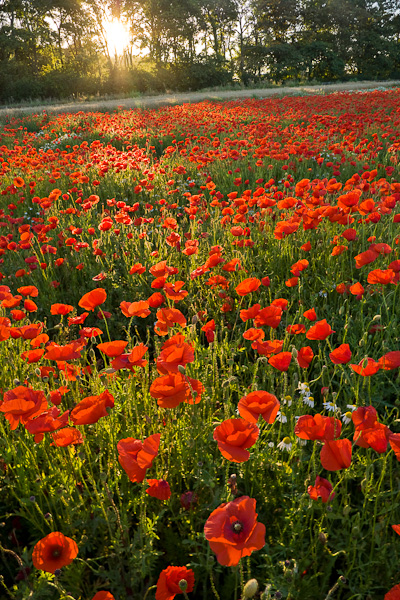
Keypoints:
pixel 152 587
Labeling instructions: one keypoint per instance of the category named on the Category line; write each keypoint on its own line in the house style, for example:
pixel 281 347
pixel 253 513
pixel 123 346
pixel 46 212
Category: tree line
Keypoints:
pixel 59 48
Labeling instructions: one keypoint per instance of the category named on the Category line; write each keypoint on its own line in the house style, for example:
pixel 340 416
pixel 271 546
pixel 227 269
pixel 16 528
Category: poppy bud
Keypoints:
pixel 181 369
pixel 250 589
pixel 183 585
pixel 322 538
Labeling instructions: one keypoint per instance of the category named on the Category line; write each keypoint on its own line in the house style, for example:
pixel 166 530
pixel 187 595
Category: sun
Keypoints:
pixel 117 36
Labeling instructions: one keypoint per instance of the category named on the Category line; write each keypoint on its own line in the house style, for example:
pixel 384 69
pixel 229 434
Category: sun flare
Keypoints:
pixel 117 36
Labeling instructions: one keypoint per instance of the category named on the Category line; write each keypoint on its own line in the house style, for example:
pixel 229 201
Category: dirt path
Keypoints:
pixel 191 97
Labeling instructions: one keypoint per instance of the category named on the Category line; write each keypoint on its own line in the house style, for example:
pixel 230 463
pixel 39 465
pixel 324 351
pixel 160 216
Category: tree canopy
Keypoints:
pixel 59 48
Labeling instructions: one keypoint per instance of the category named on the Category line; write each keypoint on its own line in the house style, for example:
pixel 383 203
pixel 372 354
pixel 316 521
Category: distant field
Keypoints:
pixel 172 98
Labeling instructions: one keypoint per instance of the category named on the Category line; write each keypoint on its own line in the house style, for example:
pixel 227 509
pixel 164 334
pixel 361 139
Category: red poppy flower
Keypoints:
pixel 29 290
pixel 156 300
pixel 93 299
pixel 322 489
pixel 47 421
pixel 103 595
pixel 233 531
pixel 77 320
pixel 137 268
pixel 341 355
pixel 317 427
pixel 135 309
pixel 234 436
pixel 69 436
pixel 247 286
pixel 365 258
pixel 356 289
pixel 267 348
pixel 92 408
pixel 174 388
pixel 375 437
pixel 250 313
pixel 112 349
pixel 67 352
pixel 364 417
pixel 336 455
pixel 174 291
pixel 394 440
pixel 320 331
pixel 131 360
pixel 169 579
pixel 380 276
pixel 292 282
pixel 304 357
pixel 366 367
pixel 53 552
pixel 29 305
pixel 393 594
pixel 296 329
pixel 254 334
pixel 135 457
pixel 167 318
pixel 61 309
pixel 175 352
pixel 281 361
pixel 396 528
pixel 310 314
pixel 259 403
pixel 22 404
pixel 33 356
pixel 159 488
pixel 389 361
pixel 271 316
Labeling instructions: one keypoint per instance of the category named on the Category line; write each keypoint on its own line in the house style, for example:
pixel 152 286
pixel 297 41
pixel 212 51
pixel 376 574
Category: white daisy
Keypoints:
pixel 330 406
pixel 346 417
pixel 281 417
pixel 309 400
pixel 285 444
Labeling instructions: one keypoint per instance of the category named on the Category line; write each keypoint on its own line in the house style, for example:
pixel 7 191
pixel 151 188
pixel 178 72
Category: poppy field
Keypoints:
pixel 200 349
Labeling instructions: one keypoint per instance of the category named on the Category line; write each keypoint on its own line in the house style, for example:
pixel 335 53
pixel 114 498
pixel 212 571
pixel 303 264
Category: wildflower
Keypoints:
pixel 54 552
pixel 103 595
pixel 330 406
pixel 135 457
pixel 259 403
pixel 281 417
pixel 93 299
pixel 322 489
pixel 233 531
pixel 308 400
pixel 234 436
pixel 172 581
pixel 285 444
pixel 346 417
pixel 336 455
pixel 158 488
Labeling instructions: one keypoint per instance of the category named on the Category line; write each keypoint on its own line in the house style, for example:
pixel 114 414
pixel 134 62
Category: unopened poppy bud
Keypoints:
pixel 294 352
pixel 181 369
pixel 195 319
pixel 250 589
pixel 322 538
pixel 377 318
pixel 183 585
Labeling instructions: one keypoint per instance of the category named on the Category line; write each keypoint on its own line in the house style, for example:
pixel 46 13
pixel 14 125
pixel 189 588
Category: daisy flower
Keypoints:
pixel 330 406
pixel 285 444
